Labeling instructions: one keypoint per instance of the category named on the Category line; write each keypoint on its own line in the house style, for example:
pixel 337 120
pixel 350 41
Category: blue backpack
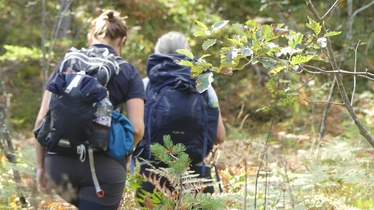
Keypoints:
pixel 174 107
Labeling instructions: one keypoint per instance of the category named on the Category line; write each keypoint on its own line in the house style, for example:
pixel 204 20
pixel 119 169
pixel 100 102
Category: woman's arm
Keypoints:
pixel 221 131
pixel 39 149
pixel 135 113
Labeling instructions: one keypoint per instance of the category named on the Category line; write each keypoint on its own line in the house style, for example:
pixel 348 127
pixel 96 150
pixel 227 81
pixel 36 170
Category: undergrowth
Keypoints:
pixel 335 173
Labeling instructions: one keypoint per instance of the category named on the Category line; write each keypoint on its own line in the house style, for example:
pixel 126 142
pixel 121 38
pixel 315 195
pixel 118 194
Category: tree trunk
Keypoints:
pixel 64 12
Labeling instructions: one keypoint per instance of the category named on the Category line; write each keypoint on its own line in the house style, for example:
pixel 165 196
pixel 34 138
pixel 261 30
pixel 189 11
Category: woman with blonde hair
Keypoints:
pixel 65 173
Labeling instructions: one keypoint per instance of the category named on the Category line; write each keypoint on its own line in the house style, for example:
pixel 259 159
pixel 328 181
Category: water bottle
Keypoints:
pixel 101 124
pixel 103 114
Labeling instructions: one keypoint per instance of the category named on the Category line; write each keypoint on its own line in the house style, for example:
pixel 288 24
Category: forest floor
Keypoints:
pixel 229 158
pixel 238 159
pixel 232 159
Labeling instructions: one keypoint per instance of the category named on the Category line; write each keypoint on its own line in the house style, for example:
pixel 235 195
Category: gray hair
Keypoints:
pixel 169 43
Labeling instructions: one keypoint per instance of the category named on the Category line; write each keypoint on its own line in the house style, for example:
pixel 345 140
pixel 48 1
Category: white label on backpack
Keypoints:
pixel 178 132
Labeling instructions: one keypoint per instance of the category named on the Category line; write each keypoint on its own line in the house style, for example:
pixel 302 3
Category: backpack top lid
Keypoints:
pixel 162 70
pixel 96 62
pixel 88 87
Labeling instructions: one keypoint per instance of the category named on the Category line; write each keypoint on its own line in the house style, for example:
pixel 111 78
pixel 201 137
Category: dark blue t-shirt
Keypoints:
pixel 126 85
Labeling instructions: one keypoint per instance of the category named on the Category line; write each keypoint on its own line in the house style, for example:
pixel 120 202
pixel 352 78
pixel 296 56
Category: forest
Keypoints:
pixel 294 81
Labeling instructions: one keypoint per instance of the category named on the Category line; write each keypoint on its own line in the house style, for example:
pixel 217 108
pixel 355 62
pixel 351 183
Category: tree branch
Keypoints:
pixel 340 83
pixel 328 11
pixel 354 77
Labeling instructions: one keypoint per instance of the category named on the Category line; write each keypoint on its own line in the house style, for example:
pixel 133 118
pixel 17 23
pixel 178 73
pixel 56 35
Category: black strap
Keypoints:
pixel 218 179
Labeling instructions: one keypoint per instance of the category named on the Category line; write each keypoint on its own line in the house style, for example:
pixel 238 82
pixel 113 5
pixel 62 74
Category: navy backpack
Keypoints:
pixel 174 107
pixel 79 84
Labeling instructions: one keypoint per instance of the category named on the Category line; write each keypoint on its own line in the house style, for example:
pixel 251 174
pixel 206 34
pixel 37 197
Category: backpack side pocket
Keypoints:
pixel 42 133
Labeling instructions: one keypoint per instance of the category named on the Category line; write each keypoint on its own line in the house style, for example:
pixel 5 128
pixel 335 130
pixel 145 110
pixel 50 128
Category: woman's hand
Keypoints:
pixel 42 181
pixel 128 161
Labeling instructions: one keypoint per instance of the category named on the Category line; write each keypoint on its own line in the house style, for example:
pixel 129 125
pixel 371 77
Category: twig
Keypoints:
pixel 241 111
pixel 265 155
pixel 368 43
pixel 310 79
pixel 317 102
pixel 322 127
pixel 362 8
pixel 53 40
pixel 289 184
pixel 348 38
pixel 242 123
pixel 341 71
pixel 354 77
pixel 351 16
pixel 328 11
pixel 43 61
pixel 245 183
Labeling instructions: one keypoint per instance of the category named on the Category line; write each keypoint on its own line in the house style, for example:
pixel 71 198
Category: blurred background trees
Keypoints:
pixel 36 34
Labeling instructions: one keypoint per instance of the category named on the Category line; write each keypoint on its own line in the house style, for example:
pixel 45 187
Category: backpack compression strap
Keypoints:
pixel 205 142
pixel 99 192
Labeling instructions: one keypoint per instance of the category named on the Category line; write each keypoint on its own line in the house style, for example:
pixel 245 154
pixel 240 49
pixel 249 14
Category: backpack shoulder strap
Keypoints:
pixel 120 60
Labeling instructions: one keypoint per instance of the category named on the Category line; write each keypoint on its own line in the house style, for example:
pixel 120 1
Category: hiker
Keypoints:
pixel 66 174
pixel 162 70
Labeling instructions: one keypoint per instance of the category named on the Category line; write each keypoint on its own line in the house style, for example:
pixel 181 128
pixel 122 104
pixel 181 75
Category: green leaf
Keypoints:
pixel 269 63
pixel 223 70
pixel 196 71
pixel 296 40
pixel 317 58
pixel 238 28
pixel 208 43
pixel 276 70
pixel 298 59
pixel 204 81
pixel 202 25
pixel 266 33
pixel 332 33
pixel 316 27
pixel 199 33
pixel 184 62
pixel 246 52
pixel 185 52
pixel 251 23
pixel 204 56
pixel 219 25
pixel 229 54
pixel 236 41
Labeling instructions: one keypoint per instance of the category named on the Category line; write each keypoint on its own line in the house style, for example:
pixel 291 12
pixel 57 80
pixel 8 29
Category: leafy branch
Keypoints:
pixel 277 49
pixel 187 187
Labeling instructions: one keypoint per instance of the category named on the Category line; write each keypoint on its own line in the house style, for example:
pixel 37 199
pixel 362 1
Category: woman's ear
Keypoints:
pixel 89 39
pixel 122 41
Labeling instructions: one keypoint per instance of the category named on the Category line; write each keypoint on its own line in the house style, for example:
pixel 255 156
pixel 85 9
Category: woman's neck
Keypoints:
pixel 111 43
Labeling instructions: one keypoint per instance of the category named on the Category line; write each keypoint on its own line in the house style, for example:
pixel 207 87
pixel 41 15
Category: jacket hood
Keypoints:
pixel 161 69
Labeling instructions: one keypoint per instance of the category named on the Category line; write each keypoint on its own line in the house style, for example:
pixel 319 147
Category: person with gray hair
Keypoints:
pixel 171 42
pixel 162 71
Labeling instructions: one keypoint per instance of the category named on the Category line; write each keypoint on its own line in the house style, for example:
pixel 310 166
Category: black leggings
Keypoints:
pixel 147 186
pixel 72 180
